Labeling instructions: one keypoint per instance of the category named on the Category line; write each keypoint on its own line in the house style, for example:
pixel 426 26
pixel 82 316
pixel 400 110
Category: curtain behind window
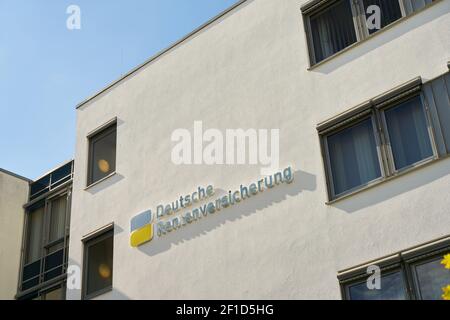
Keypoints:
pixel 415 5
pixel 353 157
pixel 57 218
pixel 390 11
pixel 408 133
pixel 332 30
pixel 34 235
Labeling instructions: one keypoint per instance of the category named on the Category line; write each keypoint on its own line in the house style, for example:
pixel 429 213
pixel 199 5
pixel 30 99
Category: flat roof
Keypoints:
pixel 162 52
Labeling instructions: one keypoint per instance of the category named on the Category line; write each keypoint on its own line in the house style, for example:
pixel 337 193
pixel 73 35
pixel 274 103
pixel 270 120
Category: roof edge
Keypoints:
pixel 15 175
pixel 62 164
pixel 162 52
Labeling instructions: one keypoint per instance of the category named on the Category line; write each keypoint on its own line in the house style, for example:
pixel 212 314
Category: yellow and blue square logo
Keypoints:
pixel 141 229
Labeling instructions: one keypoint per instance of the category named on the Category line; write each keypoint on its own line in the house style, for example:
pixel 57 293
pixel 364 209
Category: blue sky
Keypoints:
pixel 46 69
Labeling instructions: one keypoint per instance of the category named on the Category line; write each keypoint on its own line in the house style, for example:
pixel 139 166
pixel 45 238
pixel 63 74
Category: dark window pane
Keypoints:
pixel 353 157
pixel 430 278
pixel 39 187
pixel 390 11
pixel 54 265
pixel 34 235
pixel 332 30
pixel 392 288
pixel 103 157
pixel 408 133
pixel 61 175
pixel 30 283
pixel 99 265
pixel 31 270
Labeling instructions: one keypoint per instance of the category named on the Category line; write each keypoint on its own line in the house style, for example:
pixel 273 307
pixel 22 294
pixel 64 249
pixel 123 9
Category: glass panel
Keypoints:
pixel 61 175
pixel 392 288
pixel 100 265
pixel 353 157
pixel 104 156
pixel 332 30
pixel 39 187
pixel 430 278
pixel 30 276
pixel 415 5
pixel 31 270
pixel 58 246
pixel 34 235
pixel 54 265
pixel 56 294
pixel 408 133
pixel 57 218
pixel 390 11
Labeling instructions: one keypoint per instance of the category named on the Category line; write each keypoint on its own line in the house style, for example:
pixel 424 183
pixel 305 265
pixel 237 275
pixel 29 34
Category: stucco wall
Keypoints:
pixel 250 70
pixel 13 195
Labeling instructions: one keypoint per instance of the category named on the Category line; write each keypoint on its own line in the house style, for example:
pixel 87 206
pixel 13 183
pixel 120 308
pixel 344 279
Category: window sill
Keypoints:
pixel 98 293
pixel 382 30
pixel 375 183
pixel 100 181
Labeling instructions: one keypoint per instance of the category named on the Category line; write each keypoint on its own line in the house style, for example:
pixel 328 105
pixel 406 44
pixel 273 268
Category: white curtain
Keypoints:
pixel 414 5
pixel 332 30
pixel 353 157
pixel 34 243
pixel 57 218
pixel 408 133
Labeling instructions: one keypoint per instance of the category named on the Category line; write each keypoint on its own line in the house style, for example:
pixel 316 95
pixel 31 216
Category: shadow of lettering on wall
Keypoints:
pixel 303 181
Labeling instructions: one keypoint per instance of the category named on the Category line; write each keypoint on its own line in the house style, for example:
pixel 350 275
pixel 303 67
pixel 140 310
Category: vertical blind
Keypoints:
pixel 408 133
pixel 332 30
pixel 353 157
pixel 437 94
pixel 414 5
pixel 34 234
pixel 390 11
pixel 57 218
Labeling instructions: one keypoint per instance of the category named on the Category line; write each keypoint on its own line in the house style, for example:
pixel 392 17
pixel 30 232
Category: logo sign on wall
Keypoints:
pixel 172 217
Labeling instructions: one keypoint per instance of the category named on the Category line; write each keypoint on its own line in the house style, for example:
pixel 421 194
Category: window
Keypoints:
pixel 408 133
pixel 393 288
pixel 51 181
pixel 332 30
pixel 55 293
pixel 46 241
pixel 437 95
pixel 390 11
pixel 46 236
pixel 98 264
pixel 353 156
pixel 414 274
pixel 381 138
pixel 57 223
pixel 34 233
pixel 429 278
pixel 333 25
pixel 102 154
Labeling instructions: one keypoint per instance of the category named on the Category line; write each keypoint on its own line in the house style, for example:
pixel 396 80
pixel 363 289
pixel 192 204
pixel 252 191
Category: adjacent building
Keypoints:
pixel 43 251
pixel 13 194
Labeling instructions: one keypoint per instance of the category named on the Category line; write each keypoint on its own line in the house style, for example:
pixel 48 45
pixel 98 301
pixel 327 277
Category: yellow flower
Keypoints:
pixel 446 295
pixel 446 261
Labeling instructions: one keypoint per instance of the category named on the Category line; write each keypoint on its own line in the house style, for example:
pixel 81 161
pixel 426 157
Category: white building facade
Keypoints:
pixel 355 121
